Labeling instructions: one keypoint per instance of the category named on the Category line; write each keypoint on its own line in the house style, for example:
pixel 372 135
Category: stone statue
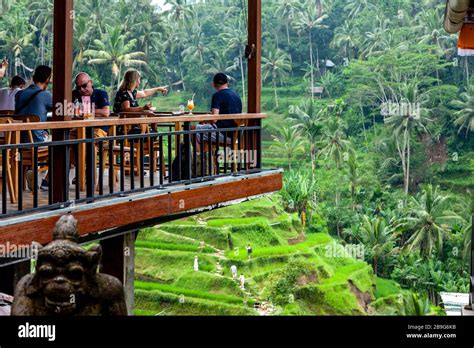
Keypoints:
pixel 66 281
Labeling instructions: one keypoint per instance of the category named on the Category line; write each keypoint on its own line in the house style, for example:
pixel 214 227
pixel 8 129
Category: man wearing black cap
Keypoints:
pixel 224 102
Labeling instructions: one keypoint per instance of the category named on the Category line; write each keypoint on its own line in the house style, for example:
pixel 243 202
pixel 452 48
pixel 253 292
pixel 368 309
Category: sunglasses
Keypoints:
pixel 83 86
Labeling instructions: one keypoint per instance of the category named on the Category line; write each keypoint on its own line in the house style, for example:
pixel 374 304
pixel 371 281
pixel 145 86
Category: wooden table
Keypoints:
pixel 81 134
pixel 178 125
pixel 15 139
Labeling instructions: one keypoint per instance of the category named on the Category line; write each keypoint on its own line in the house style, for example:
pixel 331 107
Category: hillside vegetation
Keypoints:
pixel 296 273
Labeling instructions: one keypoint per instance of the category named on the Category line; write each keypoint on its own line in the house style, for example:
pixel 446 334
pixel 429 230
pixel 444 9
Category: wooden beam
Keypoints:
pixel 129 270
pixel 118 215
pixel 112 257
pixel 255 61
pixel 62 55
pixel 12 274
pixel 62 90
pixel 114 121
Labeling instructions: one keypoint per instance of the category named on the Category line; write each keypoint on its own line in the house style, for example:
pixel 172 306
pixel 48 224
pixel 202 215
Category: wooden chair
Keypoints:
pixel 234 146
pixel 150 146
pixel 240 123
pixel 6 140
pixel 43 152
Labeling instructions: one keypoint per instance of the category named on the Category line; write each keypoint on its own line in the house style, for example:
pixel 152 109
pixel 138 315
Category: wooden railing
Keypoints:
pixel 140 152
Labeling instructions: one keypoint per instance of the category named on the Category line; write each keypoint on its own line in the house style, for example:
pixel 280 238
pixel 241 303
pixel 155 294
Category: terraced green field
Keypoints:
pixel 166 283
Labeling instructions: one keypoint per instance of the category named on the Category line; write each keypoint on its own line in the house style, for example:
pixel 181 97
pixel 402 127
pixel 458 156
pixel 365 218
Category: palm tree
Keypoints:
pixel 465 115
pixel 5 5
pixel 467 231
pixel 377 41
pixel 432 33
pixel 176 43
pixel 354 7
pixel 379 238
pixel 18 37
pixel 297 192
pixel 308 21
pixel 180 13
pixel 406 123
pixel 352 175
pixel 82 31
pixel 416 305
pixel 347 37
pixel 219 62
pixel 196 48
pixel 286 10
pixel 290 143
pixel 276 67
pixel 113 50
pixel 236 38
pixel 96 11
pixel 43 20
pixel 429 219
pixel 310 124
pixel 149 30
pixel 335 143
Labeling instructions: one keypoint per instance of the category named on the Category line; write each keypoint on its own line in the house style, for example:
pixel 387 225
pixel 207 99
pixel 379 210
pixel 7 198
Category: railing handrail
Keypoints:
pixel 102 122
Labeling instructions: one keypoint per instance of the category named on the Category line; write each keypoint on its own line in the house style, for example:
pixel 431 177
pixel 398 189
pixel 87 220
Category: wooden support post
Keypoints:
pixel 118 260
pixel 11 275
pixel 471 280
pixel 62 92
pixel 254 55
pixel 129 270
pixel 255 60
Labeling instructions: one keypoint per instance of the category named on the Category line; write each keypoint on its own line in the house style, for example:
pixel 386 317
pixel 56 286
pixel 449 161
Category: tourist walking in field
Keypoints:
pixel 242 281
pixel 249 251
pixel 233 270
pixel 196 263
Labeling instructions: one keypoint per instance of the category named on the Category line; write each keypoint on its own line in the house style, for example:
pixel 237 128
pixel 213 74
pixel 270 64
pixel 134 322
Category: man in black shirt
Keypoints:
pixel 224 102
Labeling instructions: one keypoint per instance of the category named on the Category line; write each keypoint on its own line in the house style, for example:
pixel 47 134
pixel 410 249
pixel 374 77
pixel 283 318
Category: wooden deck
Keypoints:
pixel 141 209
pixel 43 194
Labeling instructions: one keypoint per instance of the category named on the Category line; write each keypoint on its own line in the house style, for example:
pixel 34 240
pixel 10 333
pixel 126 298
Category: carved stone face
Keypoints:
pixel 64 274
pixel 61 284
pixel 66 281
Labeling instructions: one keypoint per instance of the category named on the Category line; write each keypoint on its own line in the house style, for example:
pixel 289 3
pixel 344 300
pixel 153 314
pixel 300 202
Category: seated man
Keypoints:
pixel 36 100
pixel 99 98
pixel 224 102
pixel 7 94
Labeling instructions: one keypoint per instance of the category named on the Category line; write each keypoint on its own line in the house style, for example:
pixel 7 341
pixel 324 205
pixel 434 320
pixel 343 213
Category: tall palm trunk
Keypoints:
pixel 376 266
pixel 276 93
pixel 466 65
pixel 242 74
pixel 311 62
pixel 408 150
pixel 288 32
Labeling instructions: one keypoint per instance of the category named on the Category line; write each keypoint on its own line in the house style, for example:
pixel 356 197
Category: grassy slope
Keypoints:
pixel 167 285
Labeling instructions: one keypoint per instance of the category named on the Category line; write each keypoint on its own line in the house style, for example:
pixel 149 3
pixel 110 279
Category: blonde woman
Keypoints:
pixel 3 68
pixel 126 99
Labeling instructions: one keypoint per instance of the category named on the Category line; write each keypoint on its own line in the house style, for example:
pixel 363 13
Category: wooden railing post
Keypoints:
pixel 254 55
pixel 62 93
pixel 118 260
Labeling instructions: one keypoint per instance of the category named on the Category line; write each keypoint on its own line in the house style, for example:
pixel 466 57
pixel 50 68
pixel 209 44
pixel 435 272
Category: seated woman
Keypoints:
pixel 126 99
pixel 3 68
